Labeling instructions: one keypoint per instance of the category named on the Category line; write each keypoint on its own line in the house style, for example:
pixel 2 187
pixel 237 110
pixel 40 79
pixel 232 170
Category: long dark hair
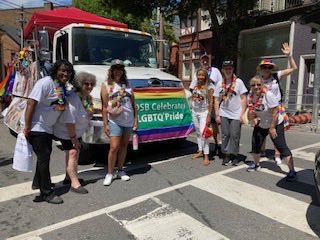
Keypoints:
pixel 58 64
pixel 123 79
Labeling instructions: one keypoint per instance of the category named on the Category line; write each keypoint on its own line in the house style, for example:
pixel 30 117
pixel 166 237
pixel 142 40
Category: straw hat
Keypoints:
pixel 267 61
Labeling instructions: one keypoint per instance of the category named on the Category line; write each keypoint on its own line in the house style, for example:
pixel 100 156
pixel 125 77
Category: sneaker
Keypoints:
pixel 291 176
pixel 225 160
pixel 123 175
pixel 80 190
pixel 278 161
pixel 253 167
pixel 108 179
pixel 53 199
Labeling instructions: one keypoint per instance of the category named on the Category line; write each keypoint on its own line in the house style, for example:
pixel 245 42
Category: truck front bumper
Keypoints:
pixel 95 133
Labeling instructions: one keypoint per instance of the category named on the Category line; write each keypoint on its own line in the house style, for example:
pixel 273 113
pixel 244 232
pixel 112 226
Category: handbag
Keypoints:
pixel 22 157
pixel 207 131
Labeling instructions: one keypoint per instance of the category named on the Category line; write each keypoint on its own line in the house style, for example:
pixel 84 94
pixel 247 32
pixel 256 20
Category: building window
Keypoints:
pixel 186 70
pixel 311 76
pixel 186 56
pixel 195 66
pixel 196 54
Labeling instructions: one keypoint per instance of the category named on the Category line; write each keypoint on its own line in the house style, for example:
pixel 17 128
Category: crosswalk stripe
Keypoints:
pixel 174 223
pixel 270 204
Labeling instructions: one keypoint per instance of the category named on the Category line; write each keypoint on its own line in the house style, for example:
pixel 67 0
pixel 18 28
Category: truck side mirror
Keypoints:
pixel 44 53
pixel 166 51
pixel 43 40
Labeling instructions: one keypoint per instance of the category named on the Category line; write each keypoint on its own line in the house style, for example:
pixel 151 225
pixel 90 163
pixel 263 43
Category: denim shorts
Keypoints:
pixel 117 131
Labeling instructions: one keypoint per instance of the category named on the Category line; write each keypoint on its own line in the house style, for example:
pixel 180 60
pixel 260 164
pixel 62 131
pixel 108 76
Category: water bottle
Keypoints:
pixel 135 141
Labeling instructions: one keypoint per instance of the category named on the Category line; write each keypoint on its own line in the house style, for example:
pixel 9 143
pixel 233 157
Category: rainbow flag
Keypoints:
pixel 163 113
pixel 4 82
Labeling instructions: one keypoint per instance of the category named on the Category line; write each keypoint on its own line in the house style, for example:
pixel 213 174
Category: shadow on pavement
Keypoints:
pixel 313 211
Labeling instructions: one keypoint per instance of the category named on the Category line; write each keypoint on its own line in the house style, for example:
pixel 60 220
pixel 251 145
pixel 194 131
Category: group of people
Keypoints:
pixel 218 99
pixel 56 111
pixel 222 99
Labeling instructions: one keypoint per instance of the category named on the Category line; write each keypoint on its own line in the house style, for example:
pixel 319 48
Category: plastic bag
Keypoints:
pixel 207 131
pixel 22 158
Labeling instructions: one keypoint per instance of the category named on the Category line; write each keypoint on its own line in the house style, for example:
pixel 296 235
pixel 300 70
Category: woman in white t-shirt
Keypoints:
pixel 230 104
pixel 201 105
pixel 271 76
pixel 120 118
pixel 72 124
pixel 45 104
pixel 263 115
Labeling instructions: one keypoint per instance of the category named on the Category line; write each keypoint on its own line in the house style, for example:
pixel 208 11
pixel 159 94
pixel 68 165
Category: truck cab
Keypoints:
pixel 162 104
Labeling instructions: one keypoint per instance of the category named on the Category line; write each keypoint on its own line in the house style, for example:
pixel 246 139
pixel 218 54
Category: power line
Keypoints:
pixel 55 2
pixel 14 4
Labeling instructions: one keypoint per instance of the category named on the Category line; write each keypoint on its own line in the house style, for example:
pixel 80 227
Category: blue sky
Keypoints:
pixel 9 4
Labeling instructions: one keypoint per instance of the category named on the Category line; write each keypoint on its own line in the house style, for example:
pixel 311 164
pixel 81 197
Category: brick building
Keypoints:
pixel 10 29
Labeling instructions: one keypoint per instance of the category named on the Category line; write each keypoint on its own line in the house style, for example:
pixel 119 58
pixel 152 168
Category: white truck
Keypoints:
pixel 162 104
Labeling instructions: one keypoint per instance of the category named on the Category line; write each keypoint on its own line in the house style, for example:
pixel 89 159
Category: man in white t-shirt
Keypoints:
pixel 214 76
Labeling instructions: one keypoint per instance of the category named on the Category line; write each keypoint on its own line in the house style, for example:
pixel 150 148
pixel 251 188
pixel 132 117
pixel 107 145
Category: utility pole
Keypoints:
pixel 22 22
pixel 160 39
pixel 316 84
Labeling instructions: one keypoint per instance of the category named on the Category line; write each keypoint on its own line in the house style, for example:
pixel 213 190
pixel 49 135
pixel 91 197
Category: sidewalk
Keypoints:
pixel 307 127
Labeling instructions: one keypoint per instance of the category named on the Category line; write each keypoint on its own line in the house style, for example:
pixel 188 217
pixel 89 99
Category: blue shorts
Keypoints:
pixel 117 131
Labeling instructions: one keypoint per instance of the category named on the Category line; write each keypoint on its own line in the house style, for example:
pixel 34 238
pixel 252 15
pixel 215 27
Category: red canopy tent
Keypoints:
pixel 58 18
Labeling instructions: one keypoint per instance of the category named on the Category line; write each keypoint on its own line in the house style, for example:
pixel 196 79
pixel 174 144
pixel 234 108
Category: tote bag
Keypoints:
pixel 22 158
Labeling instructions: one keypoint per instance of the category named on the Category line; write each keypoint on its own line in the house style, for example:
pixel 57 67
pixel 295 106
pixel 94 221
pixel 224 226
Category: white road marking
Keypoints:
pixel 174 223
pixel 267 203
pixel 109 209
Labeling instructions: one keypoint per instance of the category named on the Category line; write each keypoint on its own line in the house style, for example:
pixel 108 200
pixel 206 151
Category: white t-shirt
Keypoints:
pixel 74 113
pixel 273 86
pixel 126 117
pixel 45 115
pixel 269 101
pixel 231 108
pixel 214 75
pixel 199 99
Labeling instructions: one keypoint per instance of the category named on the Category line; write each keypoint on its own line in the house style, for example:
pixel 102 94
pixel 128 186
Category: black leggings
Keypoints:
pixel 259 134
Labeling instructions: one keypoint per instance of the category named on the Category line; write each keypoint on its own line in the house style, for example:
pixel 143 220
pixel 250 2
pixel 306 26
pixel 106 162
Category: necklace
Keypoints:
pixel 86 102
pixel 227 92
pixel 61 92
pixel 255 106
pixel 196 94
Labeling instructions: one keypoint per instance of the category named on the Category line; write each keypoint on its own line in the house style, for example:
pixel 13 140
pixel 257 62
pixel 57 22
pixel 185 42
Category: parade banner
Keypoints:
pixel 163 113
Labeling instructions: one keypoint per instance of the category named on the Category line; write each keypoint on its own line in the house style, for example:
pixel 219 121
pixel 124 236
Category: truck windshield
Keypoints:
pixel 92 46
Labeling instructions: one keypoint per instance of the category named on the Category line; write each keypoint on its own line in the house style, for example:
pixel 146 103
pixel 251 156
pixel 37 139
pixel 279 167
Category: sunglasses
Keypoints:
pixel 267 67
pixel 87 84
pixel 256 84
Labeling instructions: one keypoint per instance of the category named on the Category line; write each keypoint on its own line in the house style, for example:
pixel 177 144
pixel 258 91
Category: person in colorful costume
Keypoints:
pixel 230 104
pixel 270 75
pixel 119 117
pixel 214 76
pixel 264 116
pixel 46 102
pixel 201 105
pixel 72 124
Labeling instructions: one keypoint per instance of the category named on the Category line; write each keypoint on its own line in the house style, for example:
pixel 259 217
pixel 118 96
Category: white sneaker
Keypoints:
pixel 108 179
pixel 278 161
pixel 123 175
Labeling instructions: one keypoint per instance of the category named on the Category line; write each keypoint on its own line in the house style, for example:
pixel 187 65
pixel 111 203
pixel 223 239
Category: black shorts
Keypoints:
pixel 259 134
pixel 67 144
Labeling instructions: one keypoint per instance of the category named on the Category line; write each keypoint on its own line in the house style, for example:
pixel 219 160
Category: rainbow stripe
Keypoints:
pixel 159 93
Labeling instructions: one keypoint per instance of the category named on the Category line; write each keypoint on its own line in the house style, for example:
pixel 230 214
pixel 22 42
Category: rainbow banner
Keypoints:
pixel 163 113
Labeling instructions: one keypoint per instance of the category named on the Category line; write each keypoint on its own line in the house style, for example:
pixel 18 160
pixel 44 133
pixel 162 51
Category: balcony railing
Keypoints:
pixel 293 3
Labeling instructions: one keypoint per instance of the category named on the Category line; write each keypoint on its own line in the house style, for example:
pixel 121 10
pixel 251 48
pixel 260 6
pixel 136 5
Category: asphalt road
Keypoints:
pixel 169 197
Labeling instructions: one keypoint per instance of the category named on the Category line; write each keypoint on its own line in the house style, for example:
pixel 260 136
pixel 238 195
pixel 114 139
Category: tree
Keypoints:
pixel 227 17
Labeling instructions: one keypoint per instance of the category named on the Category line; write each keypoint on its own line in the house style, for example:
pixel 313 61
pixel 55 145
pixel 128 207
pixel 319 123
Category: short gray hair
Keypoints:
pixel 82 77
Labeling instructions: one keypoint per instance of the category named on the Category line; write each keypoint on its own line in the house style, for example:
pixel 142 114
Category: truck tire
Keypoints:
pixel 86 154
